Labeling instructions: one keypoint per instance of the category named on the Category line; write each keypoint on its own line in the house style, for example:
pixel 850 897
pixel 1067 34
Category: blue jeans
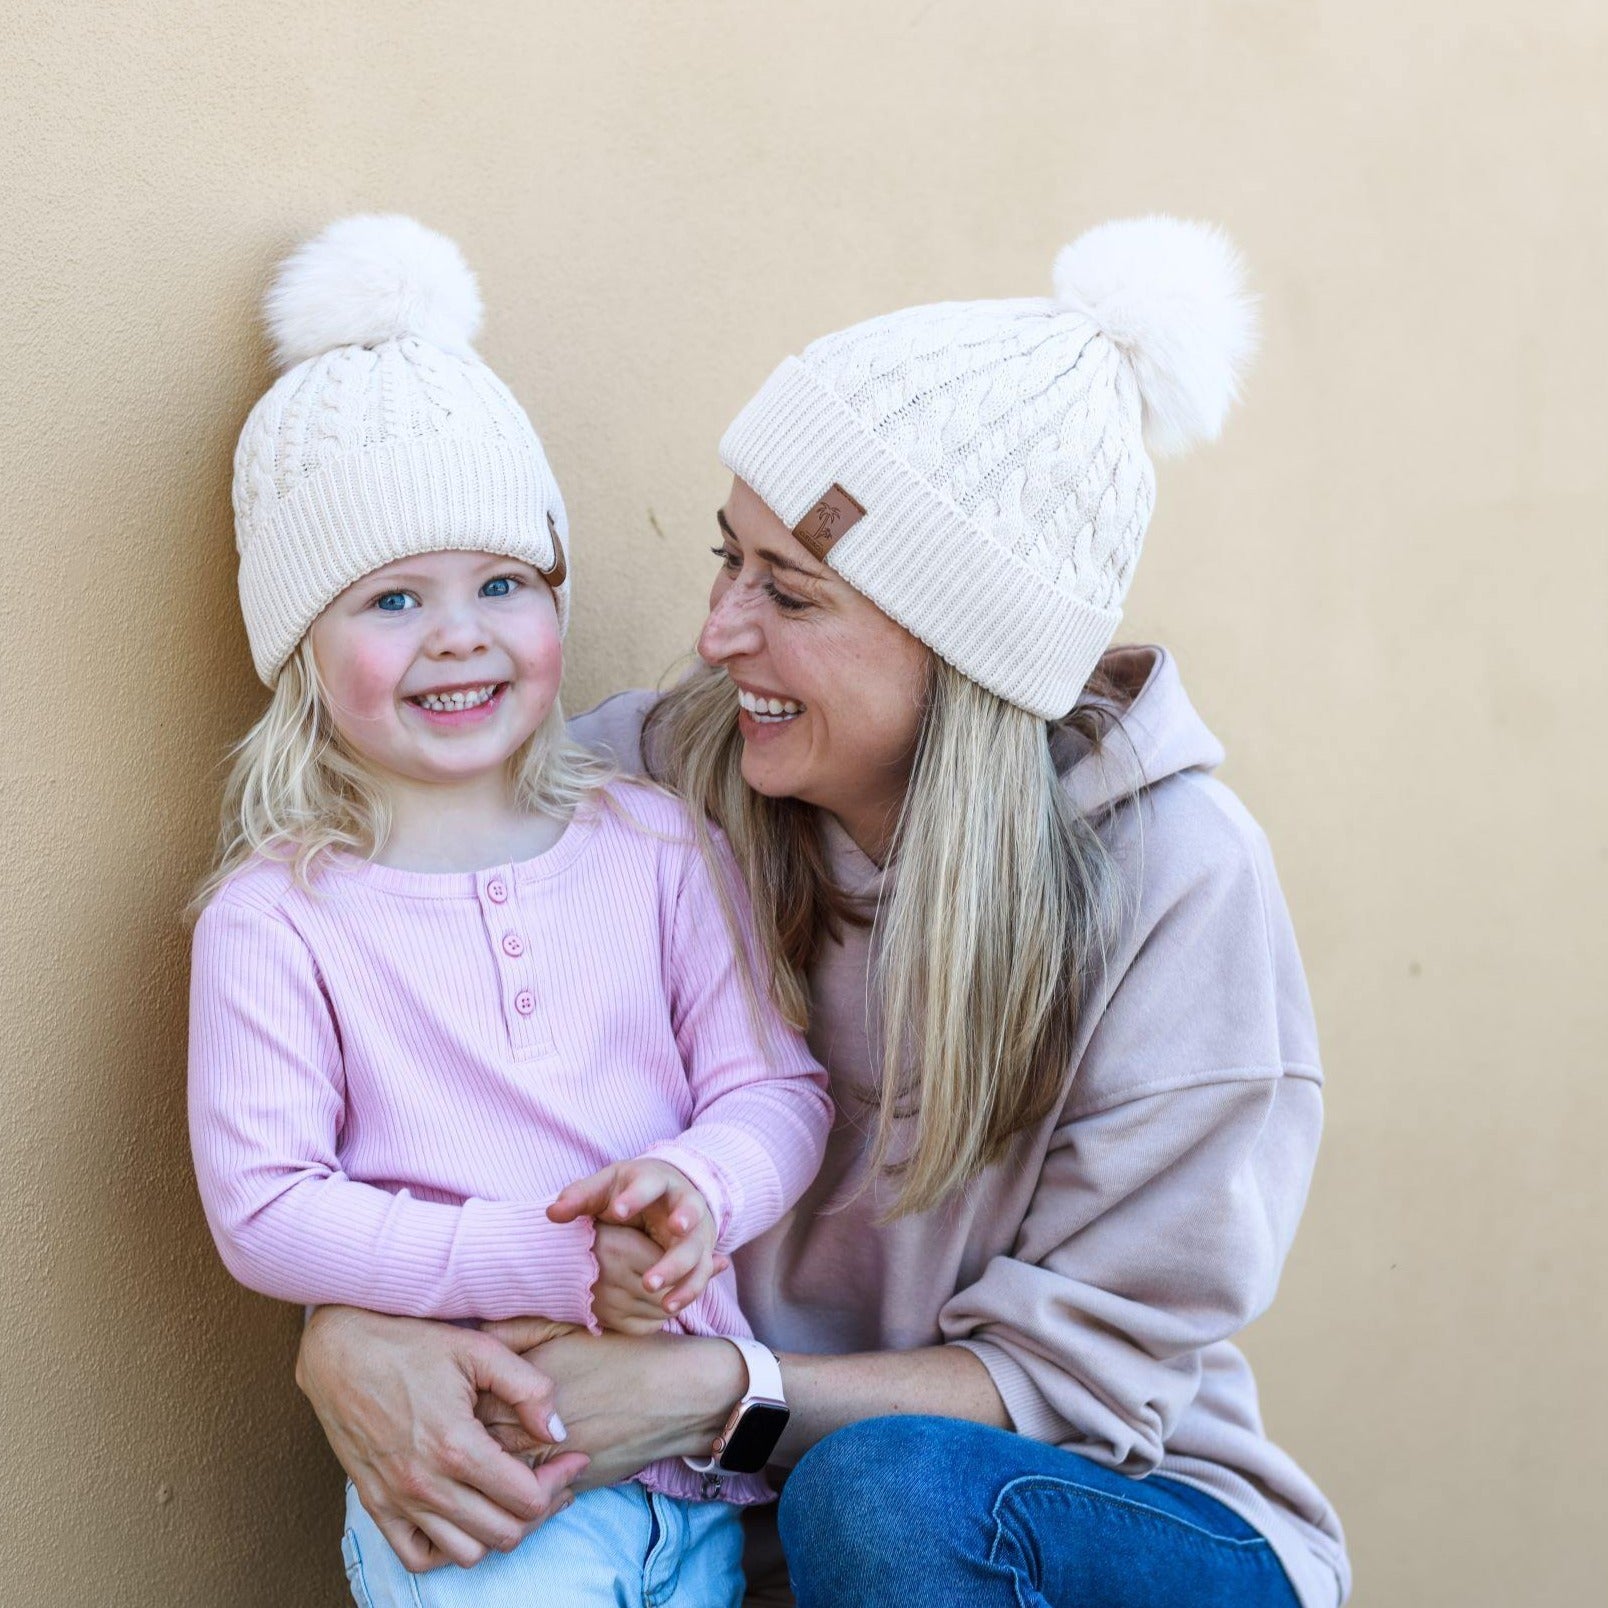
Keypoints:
pixel 621 1546
pixel 932 1510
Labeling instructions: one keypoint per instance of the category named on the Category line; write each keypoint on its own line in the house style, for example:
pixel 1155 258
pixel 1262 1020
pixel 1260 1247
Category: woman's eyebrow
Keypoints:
pixel 775 560
pixel 782 562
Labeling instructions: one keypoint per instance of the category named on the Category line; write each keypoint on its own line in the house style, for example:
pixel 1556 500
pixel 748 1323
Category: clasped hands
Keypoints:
pixel 655 1241
pixel 655 1249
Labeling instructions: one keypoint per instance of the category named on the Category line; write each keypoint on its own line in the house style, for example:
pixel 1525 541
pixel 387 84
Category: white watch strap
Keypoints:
pixel 764 1384
pixel 764 1371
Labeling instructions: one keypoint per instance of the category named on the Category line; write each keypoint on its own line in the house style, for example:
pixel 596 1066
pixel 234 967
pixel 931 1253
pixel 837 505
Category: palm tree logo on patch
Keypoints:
pixel 836 513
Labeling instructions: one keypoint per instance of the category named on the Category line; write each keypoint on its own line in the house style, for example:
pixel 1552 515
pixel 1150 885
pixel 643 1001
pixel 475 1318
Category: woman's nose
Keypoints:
pixel 730 630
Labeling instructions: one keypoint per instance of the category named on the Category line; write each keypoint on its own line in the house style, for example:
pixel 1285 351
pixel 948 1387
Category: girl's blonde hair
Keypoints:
pixel 1003 905
pixel 294 792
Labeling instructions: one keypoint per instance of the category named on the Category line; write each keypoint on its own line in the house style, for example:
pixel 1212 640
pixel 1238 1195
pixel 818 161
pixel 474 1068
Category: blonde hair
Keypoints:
pixel 1001 913
pixel 296 794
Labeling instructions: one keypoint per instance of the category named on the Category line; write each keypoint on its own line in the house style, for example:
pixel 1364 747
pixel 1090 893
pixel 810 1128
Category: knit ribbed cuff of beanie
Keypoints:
pixel 376 505
pixel 914 553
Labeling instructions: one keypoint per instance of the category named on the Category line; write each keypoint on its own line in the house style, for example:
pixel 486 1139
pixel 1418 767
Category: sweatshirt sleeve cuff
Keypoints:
pixel 1030 1414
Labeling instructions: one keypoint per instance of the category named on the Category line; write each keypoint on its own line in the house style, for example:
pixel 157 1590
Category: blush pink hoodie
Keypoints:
pixel 1101 1268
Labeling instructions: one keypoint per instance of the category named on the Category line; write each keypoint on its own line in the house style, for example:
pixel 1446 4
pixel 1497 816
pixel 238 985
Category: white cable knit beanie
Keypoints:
pixel 385 437
pixel 979 469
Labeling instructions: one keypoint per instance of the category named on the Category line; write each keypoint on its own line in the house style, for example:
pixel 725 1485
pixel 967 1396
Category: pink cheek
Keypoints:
pixel 366 688
pixel 544 663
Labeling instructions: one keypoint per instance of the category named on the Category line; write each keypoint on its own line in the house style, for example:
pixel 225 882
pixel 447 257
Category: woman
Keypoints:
pixel 1044 958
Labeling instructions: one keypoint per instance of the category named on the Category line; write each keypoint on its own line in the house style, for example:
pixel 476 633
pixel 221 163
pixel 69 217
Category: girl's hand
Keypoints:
pixel 396 1398
pixel 620 1301
pixel 663 1202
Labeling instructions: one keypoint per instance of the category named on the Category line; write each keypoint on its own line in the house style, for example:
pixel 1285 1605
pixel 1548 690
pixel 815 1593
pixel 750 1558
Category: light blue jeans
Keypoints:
pixel 618 1547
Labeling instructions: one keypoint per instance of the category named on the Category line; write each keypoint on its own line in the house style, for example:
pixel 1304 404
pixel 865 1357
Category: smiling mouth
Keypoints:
pixel 460 698
pixel 768 711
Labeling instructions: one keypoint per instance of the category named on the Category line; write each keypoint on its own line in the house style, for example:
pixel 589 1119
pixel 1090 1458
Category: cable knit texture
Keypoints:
pixel 384 447
pixel 998 448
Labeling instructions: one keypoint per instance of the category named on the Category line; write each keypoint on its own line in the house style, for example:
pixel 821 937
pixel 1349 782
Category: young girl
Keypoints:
pixel 448 967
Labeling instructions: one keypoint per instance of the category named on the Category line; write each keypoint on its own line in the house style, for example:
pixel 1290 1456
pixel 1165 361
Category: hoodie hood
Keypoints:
pixel 1159 734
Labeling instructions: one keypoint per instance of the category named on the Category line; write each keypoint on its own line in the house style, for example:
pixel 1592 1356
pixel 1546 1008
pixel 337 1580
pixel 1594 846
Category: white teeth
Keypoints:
pixel 768 708
pixel 447 702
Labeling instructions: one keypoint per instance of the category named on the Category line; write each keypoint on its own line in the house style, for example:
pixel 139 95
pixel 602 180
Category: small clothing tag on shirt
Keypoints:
pixel 834 514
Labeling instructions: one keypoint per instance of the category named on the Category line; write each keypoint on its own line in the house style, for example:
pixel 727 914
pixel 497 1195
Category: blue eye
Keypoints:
pixel 500 586
pixel 395 602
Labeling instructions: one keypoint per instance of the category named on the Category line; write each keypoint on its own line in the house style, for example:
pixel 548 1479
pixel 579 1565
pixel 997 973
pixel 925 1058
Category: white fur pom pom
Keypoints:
pixel 368 279
pixel 1172 295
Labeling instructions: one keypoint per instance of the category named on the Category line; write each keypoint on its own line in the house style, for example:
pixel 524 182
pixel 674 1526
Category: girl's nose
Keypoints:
pixel 459 632
pixel 730 630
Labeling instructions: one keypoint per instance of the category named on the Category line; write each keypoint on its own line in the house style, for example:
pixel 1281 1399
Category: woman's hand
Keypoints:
pixel 396 1399
pixel 627 1401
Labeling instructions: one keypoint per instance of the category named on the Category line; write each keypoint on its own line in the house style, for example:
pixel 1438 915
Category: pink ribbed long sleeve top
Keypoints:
pixel 391 1075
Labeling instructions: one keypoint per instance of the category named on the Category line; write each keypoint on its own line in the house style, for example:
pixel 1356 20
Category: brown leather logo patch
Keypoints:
pixel 834 514
pixel 554 574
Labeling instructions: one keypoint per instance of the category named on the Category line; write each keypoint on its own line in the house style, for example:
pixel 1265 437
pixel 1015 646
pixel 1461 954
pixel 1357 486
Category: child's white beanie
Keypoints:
pixel 385 437
pixel 979 469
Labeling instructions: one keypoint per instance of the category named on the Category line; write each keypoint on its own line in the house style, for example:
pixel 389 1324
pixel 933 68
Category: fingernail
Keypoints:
pixel 555 1427
pixel 622 1210
pixel 654 1281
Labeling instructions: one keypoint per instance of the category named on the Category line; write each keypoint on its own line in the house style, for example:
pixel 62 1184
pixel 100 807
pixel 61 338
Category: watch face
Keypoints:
pixel 751 1443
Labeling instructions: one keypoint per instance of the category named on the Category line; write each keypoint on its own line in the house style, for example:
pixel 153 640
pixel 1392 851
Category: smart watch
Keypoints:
pixel 750 1435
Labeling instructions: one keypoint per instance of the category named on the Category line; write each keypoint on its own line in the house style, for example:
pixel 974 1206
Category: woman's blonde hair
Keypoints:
pixel 295 793
pixel 1003 904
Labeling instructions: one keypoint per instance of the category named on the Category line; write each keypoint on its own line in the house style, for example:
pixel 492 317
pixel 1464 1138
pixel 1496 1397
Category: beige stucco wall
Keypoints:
pixel 1387 588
